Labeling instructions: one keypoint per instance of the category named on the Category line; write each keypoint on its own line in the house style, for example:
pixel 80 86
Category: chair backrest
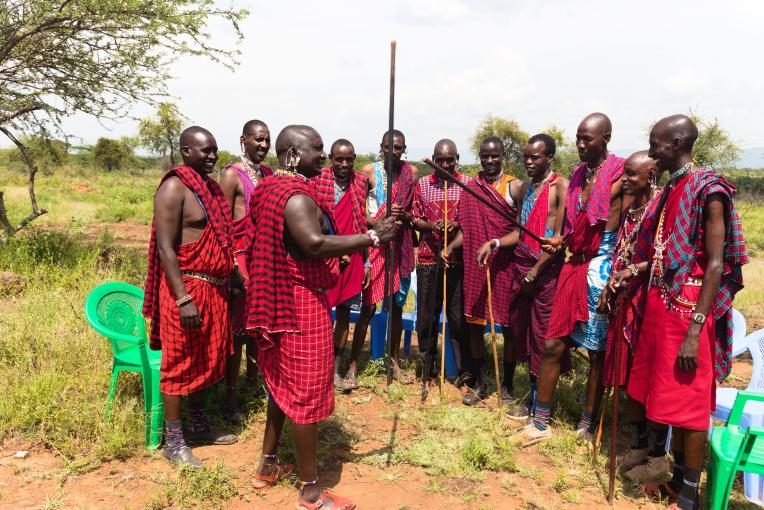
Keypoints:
pixel 739 339
pixel 755 344
pixel 113 309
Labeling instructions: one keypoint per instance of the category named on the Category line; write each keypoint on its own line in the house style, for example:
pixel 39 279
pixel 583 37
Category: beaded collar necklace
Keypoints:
pixel 290 173
pixel 590 177
pixel 254 173
pixel 679 173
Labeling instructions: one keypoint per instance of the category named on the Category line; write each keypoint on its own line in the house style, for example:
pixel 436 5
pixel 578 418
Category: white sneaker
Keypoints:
pixel 530 434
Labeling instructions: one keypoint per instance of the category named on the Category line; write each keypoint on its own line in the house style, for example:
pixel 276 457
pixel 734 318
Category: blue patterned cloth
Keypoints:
pixel 592 335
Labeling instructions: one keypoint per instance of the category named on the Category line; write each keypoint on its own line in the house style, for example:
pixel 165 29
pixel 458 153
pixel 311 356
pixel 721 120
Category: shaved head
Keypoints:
pixel 294 135
pixel 445 143
pixel 251 124
pixel 680 128
pixel 193 133
pixel 598 121
pixel 640 158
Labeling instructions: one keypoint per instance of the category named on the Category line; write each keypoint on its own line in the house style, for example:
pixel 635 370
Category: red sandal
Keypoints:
pixel 280 472
pixel 327 501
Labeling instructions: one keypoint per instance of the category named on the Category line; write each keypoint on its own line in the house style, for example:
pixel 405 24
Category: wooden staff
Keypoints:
pixel 389 268
pixel 616 390
pixel 506 214
pixel 445 272
pixel 493 337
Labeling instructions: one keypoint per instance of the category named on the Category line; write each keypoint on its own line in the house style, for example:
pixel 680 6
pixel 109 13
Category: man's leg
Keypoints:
pixel 251 363
pixel 549 374
pixel 474 380
pixel 274 424
pixel 455 311
pixel 397 330
pixel 426 327
pixel 359 337
pixel 201 432
pixel 587 425
pixel 175 448
pixel 231 409
pixel 306 444
pixel 341 326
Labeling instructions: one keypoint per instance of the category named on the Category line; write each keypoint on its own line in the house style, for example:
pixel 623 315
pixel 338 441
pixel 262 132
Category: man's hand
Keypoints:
pixel 453 228
pixel 528 284
pixel 387 229
pixel 438 226
pixel 551 245
pixel 445 254
pixel 366 278
pixel 238 284
pixel 618 280
pixel 484 253
pixel 344 261
pixel 687 358
pixel 189 316
pixel 399 213
pixel 603 305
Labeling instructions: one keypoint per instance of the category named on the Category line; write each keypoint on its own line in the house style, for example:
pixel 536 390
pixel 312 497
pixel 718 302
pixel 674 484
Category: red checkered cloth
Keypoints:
pixel 529 316
pixel 219 220
pixel 297 366
pixel 194 359
pixel 571 305
pixel 686 245
pixel 402 246
pixel 350 216
pixel 598 203
pixel 270 296
pixel 480 224
pixel 242 237
pixel 429 205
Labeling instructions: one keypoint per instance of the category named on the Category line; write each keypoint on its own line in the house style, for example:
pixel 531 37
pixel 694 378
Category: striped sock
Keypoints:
pixel 585 422
pixel 199 419
pixel 173 436
pixel 541 417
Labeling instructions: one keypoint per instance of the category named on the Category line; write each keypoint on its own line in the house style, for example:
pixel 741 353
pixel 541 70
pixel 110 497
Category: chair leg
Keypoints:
pixel 112 392
pixel 720 474
pixel 156 413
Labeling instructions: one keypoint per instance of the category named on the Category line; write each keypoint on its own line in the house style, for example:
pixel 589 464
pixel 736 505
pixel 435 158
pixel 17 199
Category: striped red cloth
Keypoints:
pixel 195 358
pixel 480 224
pixel 358 188
pixel 598 203
pixel 402 246
pixel 270 296
pixel 219 220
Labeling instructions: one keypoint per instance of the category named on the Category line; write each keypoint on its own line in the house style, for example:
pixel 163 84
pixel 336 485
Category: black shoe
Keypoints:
pixel 474 396
pixel 234 415
pixel 210 437
pixel 182 457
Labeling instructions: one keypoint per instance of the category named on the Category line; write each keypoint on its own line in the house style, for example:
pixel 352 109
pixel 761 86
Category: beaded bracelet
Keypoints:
pixel 374 237
pixel 184 300
pixel 633 269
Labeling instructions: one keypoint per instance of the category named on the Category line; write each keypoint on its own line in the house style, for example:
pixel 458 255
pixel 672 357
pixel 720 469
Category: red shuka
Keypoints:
pixel 193 359
pixel 288 308
pixel 480 224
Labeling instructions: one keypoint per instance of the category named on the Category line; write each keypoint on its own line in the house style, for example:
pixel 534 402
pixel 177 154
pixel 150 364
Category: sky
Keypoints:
pixel 326 64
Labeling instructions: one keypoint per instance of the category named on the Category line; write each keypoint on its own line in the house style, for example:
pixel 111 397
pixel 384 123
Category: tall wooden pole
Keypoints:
pixel 389 268
pixel 445 272
pixel 493 337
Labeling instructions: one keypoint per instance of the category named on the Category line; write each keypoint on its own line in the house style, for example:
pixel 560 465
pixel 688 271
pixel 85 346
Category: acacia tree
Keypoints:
pixel 510 133
pixel 714 147
pixel 161 134
pixel 59 57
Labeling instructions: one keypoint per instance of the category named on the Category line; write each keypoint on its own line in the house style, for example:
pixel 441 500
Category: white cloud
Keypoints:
pixel 326 64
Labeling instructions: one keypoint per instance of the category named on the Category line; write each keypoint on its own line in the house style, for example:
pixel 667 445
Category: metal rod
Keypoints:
pixel 444 174
pixel 389 268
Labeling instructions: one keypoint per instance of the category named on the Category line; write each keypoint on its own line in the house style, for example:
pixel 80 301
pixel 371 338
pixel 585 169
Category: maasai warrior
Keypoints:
pixel 542 210
pixel 695 272
pixel 621 298
pixel 345 190
pixel 430 204
pixel 238 181
pixel 292 263
pixel 189 266
pixel 592 216
pixel 403 247
pixel 479 223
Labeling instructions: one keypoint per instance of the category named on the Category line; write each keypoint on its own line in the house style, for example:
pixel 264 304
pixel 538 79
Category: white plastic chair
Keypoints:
pixel 754 411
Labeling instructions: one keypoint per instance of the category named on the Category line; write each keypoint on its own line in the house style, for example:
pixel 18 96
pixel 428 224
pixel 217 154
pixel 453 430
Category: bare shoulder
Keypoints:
pixel 299 203
pixel 172 187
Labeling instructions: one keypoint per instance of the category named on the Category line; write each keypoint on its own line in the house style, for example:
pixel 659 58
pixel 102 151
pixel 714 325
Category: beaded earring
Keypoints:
pixel 293 159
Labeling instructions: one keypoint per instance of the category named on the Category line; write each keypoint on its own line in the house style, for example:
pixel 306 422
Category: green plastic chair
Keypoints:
pixel 733 449
pixel 114 310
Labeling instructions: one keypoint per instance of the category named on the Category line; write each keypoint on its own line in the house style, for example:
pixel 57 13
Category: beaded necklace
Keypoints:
pixel 626 245
pixel 290 173
pixel 254 174
pixel 591 177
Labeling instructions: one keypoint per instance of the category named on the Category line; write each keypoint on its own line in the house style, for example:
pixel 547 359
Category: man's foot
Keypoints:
pixel 633 457
pixel 350 381
pixel 210 437
pixel 233 414
pixel 506 397
pixel 182 456
pixel 519 412
pixel 585 435
pixel 271 473
pixel 327 501
pixel 655 469
pixel 531 434
pixel 339 383
pixel 474 395
pixel 401 376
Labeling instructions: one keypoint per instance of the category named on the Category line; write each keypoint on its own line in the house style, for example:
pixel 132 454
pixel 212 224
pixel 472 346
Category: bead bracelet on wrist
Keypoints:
pixel 374 237
pixel 184 300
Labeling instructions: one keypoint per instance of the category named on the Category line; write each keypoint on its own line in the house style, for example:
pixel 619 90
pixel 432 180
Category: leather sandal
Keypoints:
pixel 280 472
pixel 327 501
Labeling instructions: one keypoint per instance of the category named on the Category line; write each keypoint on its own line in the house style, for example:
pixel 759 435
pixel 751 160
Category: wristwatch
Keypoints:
pixel 699 318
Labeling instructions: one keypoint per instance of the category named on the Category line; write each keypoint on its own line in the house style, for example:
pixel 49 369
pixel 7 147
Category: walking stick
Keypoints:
pixel 598 438
pixel 445 273
pixel 616 390
pixel 389 248
pixel 493 336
